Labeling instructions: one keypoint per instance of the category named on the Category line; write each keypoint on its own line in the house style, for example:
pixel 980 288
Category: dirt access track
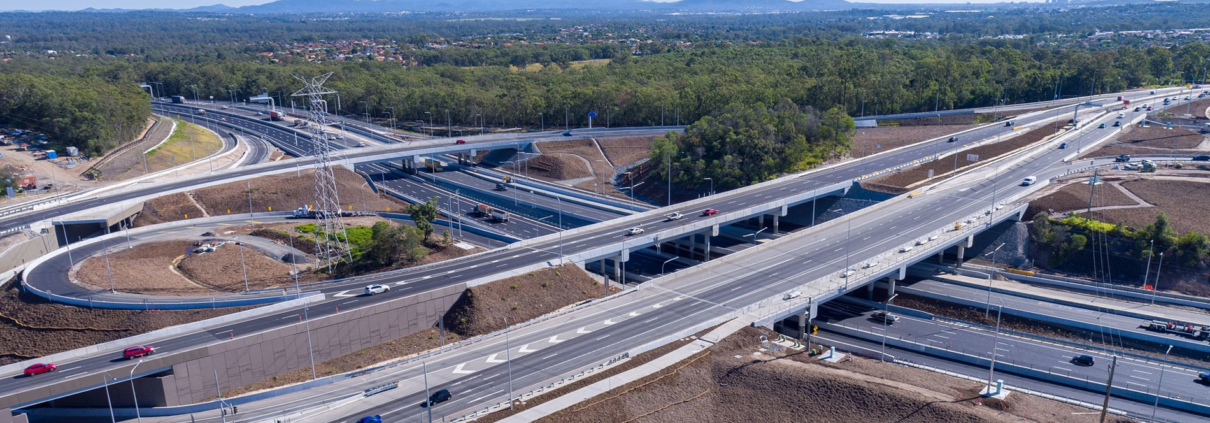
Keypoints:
pixel 170 268
pixel 737 380
pixel 910 177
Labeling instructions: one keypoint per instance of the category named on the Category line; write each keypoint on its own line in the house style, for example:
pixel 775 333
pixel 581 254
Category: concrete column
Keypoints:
pixel 706 236
pixel 617 269
pixel 940 257
pixel 961 252
pixel 869 292
pixel 693 246
pixel 803 330
pixel 774 224
pixel 760 221
pixel 604 274
pixel 890 280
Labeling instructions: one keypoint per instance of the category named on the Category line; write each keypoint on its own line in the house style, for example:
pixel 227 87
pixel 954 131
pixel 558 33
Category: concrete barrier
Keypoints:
pixel 1005 366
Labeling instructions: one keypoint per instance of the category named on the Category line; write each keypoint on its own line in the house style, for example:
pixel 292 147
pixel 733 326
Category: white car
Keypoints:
pixel 634 231
pixel 1029 180
pixel 674 216
pixel 848 272
pixel 933 237
pixel 921 241
pixel 376 289
pixel 791 295
pixel 905 248
pixel 869 264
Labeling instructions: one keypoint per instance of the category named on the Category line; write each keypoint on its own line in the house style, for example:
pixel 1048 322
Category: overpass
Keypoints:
pixel 752 201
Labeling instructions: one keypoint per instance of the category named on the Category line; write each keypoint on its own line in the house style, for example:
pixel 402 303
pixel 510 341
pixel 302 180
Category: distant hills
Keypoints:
pixel 379 6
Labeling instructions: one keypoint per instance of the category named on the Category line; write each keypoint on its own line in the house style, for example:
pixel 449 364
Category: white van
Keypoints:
pixel 1029 180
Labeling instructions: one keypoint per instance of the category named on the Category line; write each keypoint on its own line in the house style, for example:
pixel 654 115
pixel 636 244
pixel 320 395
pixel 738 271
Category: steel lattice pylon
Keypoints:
pixel 328 249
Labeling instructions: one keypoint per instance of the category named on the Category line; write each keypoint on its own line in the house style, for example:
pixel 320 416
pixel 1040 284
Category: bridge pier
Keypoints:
pixel 961 252
pixel 693 246
pixel 890 281
pixel 940 256
pixel 706 253
pixel 775 224
pixel 869 291
pixel 760 223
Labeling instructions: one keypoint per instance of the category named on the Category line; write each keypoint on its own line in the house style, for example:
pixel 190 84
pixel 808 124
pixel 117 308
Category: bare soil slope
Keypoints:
pixel 169 208
pixel 520 298
pixel 145 269
pixel 31 326
pixel 867 141
pixel 912 175
pixel 1153 139
pixel 734 381
pixel 1075 197
pixel 626 150
pixel 222 269
pixel 285 192
pixel 1177 199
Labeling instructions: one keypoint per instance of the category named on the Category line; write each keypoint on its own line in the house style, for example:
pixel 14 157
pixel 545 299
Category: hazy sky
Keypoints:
pixel 187 4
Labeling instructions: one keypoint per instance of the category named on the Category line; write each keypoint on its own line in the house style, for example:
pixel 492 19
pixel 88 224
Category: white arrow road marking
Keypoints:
pixel 657 305
pixel 610 322
pixel 525 349
pixel 555 339
pixel 458 370
pixel 634 314
pixel 583 330
pixel 344 294
pixel 399 283
pixel 492 359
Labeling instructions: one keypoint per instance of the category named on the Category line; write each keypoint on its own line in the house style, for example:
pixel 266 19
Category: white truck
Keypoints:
pixel 492 212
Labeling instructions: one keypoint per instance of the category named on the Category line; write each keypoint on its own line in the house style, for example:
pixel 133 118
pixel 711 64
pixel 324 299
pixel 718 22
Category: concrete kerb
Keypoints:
pixel 86 302
pixel 1123 291
pixel 1010 367
pixel 1142 336
pixel 165 332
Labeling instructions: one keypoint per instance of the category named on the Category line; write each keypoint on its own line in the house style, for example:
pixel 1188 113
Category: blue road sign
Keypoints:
pixel 592 114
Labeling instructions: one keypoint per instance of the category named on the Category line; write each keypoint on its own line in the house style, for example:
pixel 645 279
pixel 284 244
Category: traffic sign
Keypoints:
pixel 592 114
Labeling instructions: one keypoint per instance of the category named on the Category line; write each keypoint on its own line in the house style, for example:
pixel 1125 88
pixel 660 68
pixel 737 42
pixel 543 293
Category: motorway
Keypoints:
pixel 884 229
pixel 1117 325
pixel 1132 373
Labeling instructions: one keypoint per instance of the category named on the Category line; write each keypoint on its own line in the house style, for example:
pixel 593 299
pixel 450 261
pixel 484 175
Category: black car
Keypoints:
pixel 1201 158
pixel 1083 360
pixel 1122 158
pixel 440 396
pixel 567 134
pixel 952 139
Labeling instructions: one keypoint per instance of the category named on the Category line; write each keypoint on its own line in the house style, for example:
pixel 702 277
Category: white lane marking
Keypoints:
pixel 458 370
pixel 651 320
pixel 485 396
pixel 549 356
pixel 399 283
pixel 555 339
pixel 610 322
pixel 525 349
pixel 73 368
pixel 603 337
pixel 492 358
pixel 657 305
pixel 634 314
pixel 344 293
pixel 287 317
pixel 583 330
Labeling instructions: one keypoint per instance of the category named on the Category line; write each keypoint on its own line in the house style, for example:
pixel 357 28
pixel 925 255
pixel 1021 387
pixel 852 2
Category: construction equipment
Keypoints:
pixel 1186 330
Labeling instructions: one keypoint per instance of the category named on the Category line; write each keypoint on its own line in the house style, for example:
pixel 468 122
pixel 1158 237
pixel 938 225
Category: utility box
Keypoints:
pixel 50 154
pixel 29 182
pixel 72 151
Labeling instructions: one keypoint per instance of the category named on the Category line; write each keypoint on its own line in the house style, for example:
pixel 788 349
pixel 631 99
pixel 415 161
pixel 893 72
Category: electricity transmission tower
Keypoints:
pixel 331 240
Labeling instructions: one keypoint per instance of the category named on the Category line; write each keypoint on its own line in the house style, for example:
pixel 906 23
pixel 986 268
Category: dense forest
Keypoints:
pixel 91 113
pixel 529 72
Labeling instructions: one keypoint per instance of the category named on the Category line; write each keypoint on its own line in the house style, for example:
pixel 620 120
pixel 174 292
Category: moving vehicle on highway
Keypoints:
pixel 885 316
pixel 1063 146
pixel 137 351
pixel 791 295
pixel 460 142
pixel 440 396
pixel 377 289
pixel 1204 378
pixel 1122 158
pixel 634 231
pixel 1202 158
pixel 1010 123
pixel 1083 360
pixel 567 134
pixel 848 272
pixel 1029 180
pixel 709 212
pixel 952 139
pixel 1117 123
pixel 674 216
pixel 370 419
pixel 1101 126
pixel 40 368
pixel 905 248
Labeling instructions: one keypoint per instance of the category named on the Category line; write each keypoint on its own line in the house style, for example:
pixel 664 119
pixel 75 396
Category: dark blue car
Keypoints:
pixel 370 419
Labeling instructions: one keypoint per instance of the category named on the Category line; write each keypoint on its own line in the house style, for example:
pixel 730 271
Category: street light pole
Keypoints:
pixel 989 281
pixel 135 393
pixel 1150 254
pixel 1156 287
pixel 1159 385
pixel 560 200
pixel 995 344
pixel 508 356
pixel 887 310
pixel 108 400
pixel 711 185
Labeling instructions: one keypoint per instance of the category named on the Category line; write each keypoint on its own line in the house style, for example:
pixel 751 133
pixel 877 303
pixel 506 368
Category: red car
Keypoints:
pixel 40 368
pixel 460 142
pixel 137 351
pixel 710 212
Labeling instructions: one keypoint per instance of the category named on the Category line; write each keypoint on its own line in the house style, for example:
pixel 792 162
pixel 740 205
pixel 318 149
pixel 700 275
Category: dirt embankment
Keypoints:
pixel 870 141
pixel 520 298
pixel 31 326
pixel 147 268
pixel 907 177
pixel 224 269
pixel 626 150
pixel 1075 196
pixel 540 292
pixel 1153 139
pixel 556 167
pixel 285 192
pixel 735 381
pixel 169 208
pixel 1182 201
